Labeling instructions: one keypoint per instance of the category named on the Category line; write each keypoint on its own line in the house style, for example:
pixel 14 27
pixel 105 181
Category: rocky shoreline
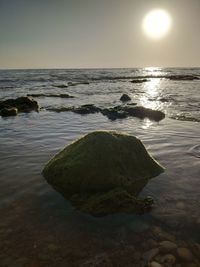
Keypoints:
pixel 11 107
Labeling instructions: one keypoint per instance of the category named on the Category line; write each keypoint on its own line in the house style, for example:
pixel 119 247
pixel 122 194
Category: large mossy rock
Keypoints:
pixel 103 172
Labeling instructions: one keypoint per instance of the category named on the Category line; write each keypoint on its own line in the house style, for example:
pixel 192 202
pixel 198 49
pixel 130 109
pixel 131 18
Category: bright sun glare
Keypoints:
pixel 156 23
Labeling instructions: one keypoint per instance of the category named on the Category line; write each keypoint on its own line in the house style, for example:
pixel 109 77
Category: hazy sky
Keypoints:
pixel 95 33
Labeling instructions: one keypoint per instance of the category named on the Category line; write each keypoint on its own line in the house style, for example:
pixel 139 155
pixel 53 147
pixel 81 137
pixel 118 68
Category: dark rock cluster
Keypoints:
pixel 12 107
pixel 117 112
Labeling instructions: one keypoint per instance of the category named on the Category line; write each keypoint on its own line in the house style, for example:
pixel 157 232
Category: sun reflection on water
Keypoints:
pixel 147 123
pixel 152 87
pixel 149 99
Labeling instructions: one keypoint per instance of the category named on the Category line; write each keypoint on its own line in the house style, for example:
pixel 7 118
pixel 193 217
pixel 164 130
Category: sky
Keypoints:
pixel 96 34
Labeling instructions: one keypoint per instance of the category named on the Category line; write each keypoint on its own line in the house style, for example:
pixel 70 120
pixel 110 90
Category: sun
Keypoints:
pixel 157 23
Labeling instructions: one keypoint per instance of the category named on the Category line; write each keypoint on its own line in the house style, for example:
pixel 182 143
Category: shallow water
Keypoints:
pixel 28 141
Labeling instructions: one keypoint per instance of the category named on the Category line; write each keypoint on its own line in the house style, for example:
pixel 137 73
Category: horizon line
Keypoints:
pixel 97 68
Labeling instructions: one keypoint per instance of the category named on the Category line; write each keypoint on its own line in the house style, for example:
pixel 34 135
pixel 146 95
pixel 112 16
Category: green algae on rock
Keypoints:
pixel 103 173
pixel 7 112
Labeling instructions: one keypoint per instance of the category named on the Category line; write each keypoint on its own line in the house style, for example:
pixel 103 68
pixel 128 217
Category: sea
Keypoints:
pixel 36 219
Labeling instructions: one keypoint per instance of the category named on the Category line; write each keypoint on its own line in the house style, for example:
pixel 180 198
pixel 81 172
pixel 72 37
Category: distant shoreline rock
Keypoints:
pixel 70 84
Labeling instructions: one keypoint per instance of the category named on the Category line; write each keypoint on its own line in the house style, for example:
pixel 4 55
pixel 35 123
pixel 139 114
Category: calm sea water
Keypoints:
pixel 28 141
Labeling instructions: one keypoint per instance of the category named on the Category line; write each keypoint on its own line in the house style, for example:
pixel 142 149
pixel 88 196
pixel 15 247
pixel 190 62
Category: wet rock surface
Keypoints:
pixel 60 85
pixel 6 112
pixel 91 174
pixel 184 117
pixel 167 246
pixel 125 98
pixel 20 104
pixel 142 112
pixel 86 109
pixel 114 113
pixel 120 112
pixel 185 254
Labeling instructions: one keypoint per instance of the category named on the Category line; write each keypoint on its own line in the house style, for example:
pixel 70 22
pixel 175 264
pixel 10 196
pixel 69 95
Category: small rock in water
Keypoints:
pixel 137 256
pixel 167 246
pixel 149 255
pixel 101 260
pixel 162 234
pixel 168 259
pixel 86 109
pixel 155 264
pixel 60 85
pixel 180 205
pixel 125 98
pixel 52 247
pixel 185 254
pixel 139 80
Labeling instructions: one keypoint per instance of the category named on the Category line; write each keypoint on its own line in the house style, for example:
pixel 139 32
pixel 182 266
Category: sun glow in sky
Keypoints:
pixel 99 34
pixel 157 23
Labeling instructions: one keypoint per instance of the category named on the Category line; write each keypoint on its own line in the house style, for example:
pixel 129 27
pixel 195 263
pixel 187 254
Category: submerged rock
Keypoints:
pixel 51 95
pixel 6 112
pixel 77 83
pixel 103 173
pixel 86 109
pixel 82 110
pixel 125 98
pixel 139 81
pixel 114 113
pixel 22 104
pixel 60 109
pixel 149 255
pixel 121 112
pixel 142 112
pixel 60 85
pixel 183 77
pixel 167 246
pixel 185 254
